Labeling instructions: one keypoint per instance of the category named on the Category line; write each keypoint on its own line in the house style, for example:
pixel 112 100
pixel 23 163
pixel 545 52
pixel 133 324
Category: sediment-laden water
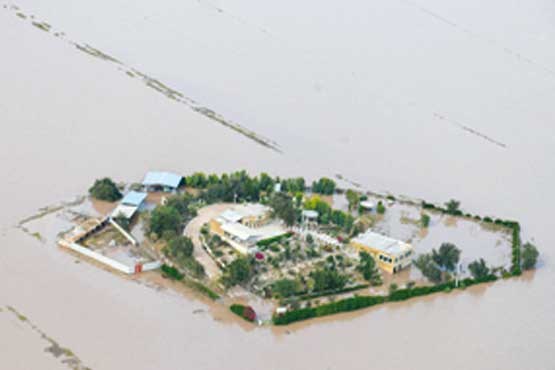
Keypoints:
pixel 426 98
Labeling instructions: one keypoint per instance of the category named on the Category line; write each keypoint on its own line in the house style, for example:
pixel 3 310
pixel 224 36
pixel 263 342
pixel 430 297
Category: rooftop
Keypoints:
pixel 124 210
pixel 241 211
pixel 168 179
pixel 239 231
pixel 382 243
pixel 134 198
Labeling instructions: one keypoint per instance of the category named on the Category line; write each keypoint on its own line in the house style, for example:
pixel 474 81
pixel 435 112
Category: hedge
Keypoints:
pixel 265 242
pixel 358 302
pixel 171 273
pixel 306 296
pixel 245 312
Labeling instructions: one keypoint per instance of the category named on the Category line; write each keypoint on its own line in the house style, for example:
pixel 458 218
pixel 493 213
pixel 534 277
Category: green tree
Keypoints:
pixel 425 263
pixel 453 207
pixel 529 256
pixel 367 267
pixel 324 186
pixel 282 205
pixel 285 287
pixel 180 247
pixel 353 198
pixel 328 279
pixel 479 269
pixel 425 220
pixel 380 208
pixel 447 257
pixel 239 271
pixel 105 189
pixel 165 218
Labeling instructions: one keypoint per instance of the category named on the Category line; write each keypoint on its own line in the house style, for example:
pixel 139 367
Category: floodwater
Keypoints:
pixel 427 98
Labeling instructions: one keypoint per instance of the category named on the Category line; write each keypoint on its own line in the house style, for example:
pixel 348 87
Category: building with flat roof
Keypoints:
pixel 390 254
pixel 244 225
pixel 166 181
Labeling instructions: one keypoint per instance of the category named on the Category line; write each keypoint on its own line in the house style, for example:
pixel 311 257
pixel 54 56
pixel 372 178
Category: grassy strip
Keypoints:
pixel 174 274
pixel 304 297
pixel 359 302
pixel 265 242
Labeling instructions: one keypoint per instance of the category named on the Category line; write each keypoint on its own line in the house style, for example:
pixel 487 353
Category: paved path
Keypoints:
pixel 192 230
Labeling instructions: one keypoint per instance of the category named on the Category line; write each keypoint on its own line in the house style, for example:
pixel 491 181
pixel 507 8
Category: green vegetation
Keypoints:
pixel 105 189
pixel 425 220
pixel 324 186
pixel 238 272
pixel 359 302
pixel 447 257
pixel 380 208
pixel 327 279
pixel 171 273
pixel 368 269
pixel 245 312
pixel 165 218
pixel 180 250
pixel 293 185
pixel 452 207
pixel 428 268
pixel 479 269
pixel 174 274
pixel 529 256
pixel 275 239
pixel 328 215
pixel 282 205
pixel 122 221
pixel 284 288
pixel 353 198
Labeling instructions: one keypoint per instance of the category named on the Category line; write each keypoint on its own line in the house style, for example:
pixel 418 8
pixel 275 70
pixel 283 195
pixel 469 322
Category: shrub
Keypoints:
pixel 171 272
pixel 529 256
pixel 105 189
pixel 275 239
pixel 246 312
pixel 425 220
pixel 478 269
pixel 380 208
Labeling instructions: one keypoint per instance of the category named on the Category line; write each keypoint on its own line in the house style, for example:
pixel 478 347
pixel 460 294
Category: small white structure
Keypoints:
pixel 310 215
pixel 367 205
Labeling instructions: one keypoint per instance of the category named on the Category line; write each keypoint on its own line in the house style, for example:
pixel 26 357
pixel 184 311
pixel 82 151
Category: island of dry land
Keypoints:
pixel 277 251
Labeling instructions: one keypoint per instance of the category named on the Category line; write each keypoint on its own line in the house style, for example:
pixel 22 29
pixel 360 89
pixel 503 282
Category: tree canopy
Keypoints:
pixel 479 269
pixel 529 256
pixel 427 266
pixel 105 189
pixel 239 271
pixel 447 257
pixel 282 205
pixel 367 267
pixel 324 186
pixel 165 218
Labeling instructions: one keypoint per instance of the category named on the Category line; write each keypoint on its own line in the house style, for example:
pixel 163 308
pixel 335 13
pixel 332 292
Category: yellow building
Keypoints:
pixel 391 255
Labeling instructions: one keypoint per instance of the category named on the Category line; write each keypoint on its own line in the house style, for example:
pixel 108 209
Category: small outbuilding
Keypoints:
pixel 165 181
pixel 129 205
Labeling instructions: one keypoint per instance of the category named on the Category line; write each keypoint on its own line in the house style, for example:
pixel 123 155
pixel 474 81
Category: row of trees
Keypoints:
pixel 437 265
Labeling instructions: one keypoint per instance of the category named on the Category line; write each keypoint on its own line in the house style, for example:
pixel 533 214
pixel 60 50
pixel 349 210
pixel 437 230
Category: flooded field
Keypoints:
pixel 429 99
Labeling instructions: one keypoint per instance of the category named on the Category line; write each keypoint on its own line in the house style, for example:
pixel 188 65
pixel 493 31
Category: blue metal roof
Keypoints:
pixel 134 198
pixel 168 179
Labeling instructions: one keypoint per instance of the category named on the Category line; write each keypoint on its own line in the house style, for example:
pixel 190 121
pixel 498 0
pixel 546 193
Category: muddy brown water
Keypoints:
pixel 356 100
